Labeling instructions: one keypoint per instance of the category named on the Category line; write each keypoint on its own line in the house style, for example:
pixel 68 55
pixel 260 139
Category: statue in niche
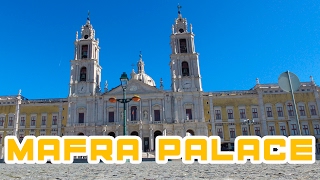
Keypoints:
pixel 121 115
pixel 145 115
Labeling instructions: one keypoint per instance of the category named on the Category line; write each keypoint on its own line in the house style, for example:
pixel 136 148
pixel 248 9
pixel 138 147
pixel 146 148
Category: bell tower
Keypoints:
pixel 85 73
pixel 184 64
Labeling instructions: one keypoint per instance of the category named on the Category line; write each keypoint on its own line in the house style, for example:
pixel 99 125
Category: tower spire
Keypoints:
pixel 179 7
pixel 140 55
pixel 140 64
pixel 88 18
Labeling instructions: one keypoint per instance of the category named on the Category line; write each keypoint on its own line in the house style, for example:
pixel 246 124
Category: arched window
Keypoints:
pixel 185 69
pixel 83 74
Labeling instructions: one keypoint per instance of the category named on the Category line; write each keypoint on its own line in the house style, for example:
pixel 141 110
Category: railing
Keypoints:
pixel 51 100
pixel 133 122
pixel 157 122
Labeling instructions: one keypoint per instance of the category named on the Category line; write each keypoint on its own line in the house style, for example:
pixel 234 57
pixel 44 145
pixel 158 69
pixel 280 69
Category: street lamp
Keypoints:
pixel 124 82
pixel 249 123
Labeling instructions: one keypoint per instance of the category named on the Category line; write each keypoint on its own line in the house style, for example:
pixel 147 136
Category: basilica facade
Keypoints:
pixel 178 111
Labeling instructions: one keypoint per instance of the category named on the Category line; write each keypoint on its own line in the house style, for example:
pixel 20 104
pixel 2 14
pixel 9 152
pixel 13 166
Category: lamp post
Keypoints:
pixel 124 82
pixel 249 123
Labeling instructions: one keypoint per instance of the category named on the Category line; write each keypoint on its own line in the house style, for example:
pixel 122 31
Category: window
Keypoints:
pixel 302 112
pixel 1 121
pixel 33 120
pixel 294 129
pixel 316 129
pixel 183 46
pixel 280 112
pixel 10 121
pixel 220 134
pixel 44 119
pixel 271 129
pixel 218 114
pixel 305 129
pixel 156 115
pixel 283 130
pixel 254 112
pixel 257 131
pixel 189 113
pixel 269 112
pixel 242 113
pixel 313 110
pixel 0 138
pixel 22 121
pixel 133 113
pixel 81 117
pixel 83 74
pixel 244 131
pixel 84 51
pixel 232 133
pixel 290 109
pixel 54 120
pixel 185 68
pixel 230 114
pixel 111 116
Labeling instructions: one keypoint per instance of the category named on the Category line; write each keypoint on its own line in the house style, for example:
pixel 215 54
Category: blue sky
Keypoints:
pixel 238 41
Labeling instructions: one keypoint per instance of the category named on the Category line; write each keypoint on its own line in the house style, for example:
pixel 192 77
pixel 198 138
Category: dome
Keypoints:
pixel 143 77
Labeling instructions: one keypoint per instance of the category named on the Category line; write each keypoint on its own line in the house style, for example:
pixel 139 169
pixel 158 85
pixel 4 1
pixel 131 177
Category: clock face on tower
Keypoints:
pixel 186 84
pixel 81 88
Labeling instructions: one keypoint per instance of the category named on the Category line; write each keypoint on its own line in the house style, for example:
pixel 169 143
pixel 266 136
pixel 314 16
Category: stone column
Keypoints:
pixel 140 111
pixel 151 138
pixel 74 119
pixel 181 111
pixel 196 109
pixel 150 110
pixel 117 112
pixel 263 116
pixel 163 111
pixel 201 118
pixel 212 118
pixel 175 105
pixel 59 120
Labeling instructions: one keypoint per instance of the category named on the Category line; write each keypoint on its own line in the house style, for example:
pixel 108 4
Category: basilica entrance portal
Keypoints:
pixel 156 133
pixel 146 144
pixel 134 133
pixel 112 134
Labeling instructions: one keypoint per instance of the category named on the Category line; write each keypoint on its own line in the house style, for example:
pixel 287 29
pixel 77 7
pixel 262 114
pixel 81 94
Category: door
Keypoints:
pixel 146 144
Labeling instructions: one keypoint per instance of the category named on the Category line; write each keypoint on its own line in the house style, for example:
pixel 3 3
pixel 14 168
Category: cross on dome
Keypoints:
pixel 179 7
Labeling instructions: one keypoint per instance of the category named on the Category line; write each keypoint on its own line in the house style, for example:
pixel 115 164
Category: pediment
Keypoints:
pixel 135 87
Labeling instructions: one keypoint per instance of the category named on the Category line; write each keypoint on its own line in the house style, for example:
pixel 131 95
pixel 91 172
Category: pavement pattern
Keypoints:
pixel 153 171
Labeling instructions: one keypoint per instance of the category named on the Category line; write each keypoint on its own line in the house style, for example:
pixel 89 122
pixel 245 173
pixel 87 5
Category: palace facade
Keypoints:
pixel 183 110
